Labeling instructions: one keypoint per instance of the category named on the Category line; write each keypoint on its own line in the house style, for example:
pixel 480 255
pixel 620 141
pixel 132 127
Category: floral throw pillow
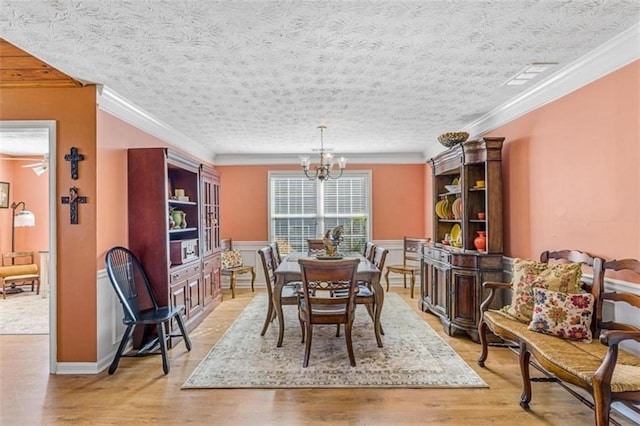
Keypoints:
pixel 529 274
pixel 231 259
pixel 564 315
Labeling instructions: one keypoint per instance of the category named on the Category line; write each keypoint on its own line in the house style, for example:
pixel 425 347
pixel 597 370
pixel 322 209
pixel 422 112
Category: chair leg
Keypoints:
pixel 307 344
pixel 123 343
pixel 482 335
pixel 386 276
pixel 337 330
pixel 268 319
pixel 163 347
pixel 38 286
pixel 524 358
pixel 404 280
pixel 253 279
pixel 413 283
pixel 232 285
pixel 347 335
pixel 183 330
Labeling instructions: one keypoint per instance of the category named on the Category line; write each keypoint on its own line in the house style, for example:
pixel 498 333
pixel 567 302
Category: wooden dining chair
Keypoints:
pixel 369 250
pixel 232 265
pixel 289 293
pixel 140 307
pixel 315 246
pixel 319 303
pixel 365 294
pixel 411 256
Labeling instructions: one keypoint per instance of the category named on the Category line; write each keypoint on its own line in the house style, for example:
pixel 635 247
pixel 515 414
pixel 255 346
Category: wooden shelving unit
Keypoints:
pixel 175 259
pixel 452 275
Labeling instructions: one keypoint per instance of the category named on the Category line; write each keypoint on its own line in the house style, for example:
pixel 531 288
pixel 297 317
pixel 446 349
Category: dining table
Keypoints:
pixel 289 270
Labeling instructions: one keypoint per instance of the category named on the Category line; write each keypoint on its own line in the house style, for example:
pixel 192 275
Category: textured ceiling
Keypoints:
pixel 258 77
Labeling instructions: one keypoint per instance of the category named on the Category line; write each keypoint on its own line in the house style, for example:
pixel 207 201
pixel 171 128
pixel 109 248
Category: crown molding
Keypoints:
pixel 605 59
pixel 118 106
pixel 289 159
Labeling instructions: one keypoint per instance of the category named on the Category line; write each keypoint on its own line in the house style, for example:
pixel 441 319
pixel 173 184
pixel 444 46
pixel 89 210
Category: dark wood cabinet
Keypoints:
pixel 453 268
pixel 178 255
pixel 210 190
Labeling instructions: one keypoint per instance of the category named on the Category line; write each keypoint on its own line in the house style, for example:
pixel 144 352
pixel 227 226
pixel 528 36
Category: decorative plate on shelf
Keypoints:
pixel 455 232
pixel 452 188
pixel 456 208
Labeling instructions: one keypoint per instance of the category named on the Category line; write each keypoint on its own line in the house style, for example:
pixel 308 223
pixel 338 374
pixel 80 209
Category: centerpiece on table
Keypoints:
pixel 332 239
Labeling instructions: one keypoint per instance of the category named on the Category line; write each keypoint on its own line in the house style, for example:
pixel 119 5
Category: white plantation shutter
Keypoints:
pixel 300 208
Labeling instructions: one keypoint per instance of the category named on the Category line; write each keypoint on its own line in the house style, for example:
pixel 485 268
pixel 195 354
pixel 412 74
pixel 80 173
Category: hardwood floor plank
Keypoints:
pixel 139 393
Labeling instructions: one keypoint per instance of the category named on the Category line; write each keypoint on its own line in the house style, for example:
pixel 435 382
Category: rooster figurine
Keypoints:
pixel 332 239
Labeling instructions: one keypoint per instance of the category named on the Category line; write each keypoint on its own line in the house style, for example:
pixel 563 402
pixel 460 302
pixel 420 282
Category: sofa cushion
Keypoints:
pixel 529 274
pixel 13 270
pixel 560 314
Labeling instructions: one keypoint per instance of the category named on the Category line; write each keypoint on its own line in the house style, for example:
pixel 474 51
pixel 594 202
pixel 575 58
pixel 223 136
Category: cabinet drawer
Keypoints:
pixel 436 254
pixel 180 274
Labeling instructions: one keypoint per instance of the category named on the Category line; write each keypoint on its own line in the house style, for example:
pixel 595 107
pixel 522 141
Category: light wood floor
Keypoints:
pixel 138 393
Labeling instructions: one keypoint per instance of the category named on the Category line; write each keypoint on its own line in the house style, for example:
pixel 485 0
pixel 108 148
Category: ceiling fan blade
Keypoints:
pixel 40 164
pixel 17 158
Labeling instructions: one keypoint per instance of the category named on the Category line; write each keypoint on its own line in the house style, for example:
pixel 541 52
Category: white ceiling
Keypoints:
pixel 24 141
pixel 258 77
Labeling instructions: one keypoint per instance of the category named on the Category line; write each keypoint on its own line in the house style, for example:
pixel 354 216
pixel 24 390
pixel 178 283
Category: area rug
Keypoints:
pixel 24 313
pixel 413 356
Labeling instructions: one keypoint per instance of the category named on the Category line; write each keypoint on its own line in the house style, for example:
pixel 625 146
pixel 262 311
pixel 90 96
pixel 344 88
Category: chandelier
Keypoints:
pixel 325 170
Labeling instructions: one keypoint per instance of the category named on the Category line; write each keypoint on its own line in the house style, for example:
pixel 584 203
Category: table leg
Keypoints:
pixel 378 294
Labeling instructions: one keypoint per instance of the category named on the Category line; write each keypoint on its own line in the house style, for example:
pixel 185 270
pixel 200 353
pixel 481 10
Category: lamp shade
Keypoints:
pixel 24 218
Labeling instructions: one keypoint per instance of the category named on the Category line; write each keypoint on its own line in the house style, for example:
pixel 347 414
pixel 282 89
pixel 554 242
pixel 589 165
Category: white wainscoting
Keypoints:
pixel 109 330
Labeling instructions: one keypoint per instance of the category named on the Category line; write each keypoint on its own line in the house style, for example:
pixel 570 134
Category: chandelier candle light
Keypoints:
pixel 323 171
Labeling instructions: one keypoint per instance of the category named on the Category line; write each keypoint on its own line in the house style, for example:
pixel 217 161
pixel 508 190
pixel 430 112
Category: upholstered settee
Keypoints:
pixel 19 275
pixel 590 357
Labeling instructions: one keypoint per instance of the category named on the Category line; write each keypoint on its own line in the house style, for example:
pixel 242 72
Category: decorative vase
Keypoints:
pixel 172 223
pixel 179 219
pixel 481 241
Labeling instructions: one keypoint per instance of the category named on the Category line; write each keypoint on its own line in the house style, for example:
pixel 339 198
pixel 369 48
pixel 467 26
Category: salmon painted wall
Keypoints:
pixel 114 138
pixel 24 185
pixel 398 203
pixel 572 174
pixel 74 110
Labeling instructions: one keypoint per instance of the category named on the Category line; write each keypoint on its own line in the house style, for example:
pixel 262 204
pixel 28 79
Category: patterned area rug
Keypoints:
pixel 24 313
pixel 413 356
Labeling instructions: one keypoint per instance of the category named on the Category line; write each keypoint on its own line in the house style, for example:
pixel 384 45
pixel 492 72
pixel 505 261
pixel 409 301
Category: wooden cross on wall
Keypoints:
pixel 74 157
pixel 73 199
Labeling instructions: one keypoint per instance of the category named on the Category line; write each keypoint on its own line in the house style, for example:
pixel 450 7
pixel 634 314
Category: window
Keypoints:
pixel 300 208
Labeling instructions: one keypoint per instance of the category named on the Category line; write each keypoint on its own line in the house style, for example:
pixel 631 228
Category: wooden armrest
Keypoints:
pixel 492 286
pixel 611 338
pixel 495 284
pixel 614 337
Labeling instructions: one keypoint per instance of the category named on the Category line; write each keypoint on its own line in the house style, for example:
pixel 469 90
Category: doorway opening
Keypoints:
pixel 27 177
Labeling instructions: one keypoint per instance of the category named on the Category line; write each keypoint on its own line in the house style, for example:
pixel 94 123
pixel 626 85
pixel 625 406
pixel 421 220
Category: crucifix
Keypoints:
pixel 73 199
pixel 74 157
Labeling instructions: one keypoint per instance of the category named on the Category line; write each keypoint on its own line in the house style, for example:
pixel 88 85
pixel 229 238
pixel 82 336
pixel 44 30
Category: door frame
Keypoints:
pixel 50 125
